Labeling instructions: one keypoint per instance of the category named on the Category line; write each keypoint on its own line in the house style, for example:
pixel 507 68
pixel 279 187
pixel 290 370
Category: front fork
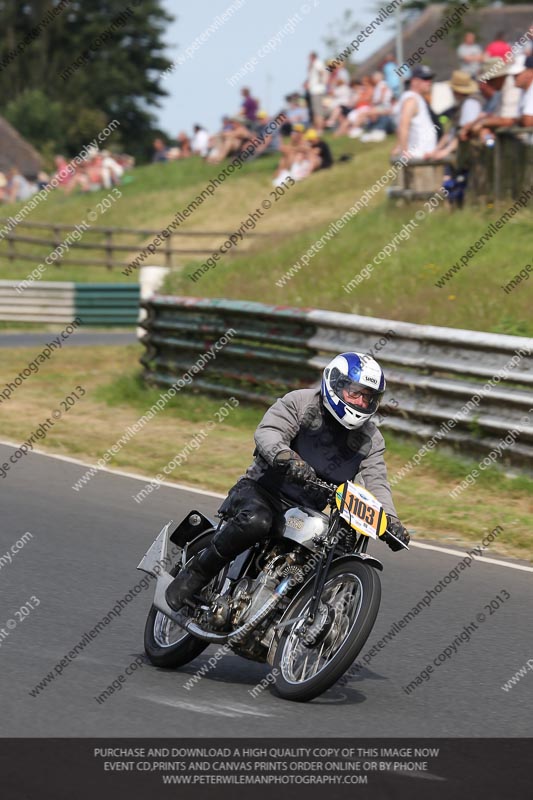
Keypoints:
pixel 323 568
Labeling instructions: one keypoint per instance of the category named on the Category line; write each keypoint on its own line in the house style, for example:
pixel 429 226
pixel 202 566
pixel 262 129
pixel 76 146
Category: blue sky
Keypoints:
pixel 199 88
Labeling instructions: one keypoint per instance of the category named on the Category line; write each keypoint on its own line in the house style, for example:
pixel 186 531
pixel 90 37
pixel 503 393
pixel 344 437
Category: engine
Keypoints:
pixel 250 594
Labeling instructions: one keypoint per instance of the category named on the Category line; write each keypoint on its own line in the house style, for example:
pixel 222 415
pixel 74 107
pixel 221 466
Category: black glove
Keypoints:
pixel 396 528
pixel 295 468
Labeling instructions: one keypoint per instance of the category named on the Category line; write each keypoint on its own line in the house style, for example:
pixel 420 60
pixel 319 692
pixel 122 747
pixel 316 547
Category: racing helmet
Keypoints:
pixel 358 374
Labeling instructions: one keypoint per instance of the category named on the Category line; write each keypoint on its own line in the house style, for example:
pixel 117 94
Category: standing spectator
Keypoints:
pixel 470 55
pixel 249 105
pixel 317 79
pixel 391 76
pixel 498 48
pixel 522 70
pixel 467 109
pixel 200 141
pixel 415 131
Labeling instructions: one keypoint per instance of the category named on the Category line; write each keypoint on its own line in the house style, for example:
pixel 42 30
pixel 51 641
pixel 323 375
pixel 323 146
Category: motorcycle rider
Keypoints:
pixel 326 432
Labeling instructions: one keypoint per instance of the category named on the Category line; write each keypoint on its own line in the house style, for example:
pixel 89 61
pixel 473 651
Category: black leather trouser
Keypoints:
pixel 250 516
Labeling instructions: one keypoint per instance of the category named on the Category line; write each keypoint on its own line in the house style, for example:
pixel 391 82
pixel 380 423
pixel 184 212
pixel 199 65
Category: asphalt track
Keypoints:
pixel 80 339
pixel 82 559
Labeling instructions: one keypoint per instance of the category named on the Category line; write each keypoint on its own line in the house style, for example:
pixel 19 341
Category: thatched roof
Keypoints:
pixel 17 152
pixel 513 20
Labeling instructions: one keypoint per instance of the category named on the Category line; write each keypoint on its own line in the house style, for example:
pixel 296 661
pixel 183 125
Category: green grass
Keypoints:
pixel 401 287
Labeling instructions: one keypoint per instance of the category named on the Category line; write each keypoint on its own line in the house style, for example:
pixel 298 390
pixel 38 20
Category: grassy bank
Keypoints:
pixel 401 286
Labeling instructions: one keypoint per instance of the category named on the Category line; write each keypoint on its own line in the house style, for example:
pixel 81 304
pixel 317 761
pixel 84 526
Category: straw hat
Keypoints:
pixel 462 83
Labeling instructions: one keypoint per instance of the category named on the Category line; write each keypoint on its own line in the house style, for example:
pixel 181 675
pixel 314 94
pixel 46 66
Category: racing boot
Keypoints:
pixel 194 576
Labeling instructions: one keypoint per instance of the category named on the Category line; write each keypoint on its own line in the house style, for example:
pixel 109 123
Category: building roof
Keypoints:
pixel 513 20
pixel 17 152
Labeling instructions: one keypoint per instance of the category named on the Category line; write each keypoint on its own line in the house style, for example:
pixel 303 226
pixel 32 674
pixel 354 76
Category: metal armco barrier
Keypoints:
pixel 431 371
pixel 60 301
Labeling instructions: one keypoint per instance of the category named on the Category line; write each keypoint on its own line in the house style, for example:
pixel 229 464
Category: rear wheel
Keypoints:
pixel 166 643
pixel 309 659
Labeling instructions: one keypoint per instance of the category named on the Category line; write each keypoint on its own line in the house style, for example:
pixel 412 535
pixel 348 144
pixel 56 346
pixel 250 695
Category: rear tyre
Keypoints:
pixel 166 643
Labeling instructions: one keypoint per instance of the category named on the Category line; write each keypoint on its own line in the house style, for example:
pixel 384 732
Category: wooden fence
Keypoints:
pixel 108 245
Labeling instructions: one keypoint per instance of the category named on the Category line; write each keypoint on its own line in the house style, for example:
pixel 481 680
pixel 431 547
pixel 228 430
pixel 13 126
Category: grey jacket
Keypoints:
pixel 300 422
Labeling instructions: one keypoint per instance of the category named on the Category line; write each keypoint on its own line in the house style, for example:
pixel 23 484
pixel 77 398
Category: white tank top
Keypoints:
pixel 422 136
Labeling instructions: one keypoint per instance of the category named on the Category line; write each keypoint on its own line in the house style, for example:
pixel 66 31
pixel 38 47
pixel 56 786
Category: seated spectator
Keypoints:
pixel 3 187
pixel 294 152
pixel 522 70
pixel 416 134
pixel 340 102
pixel 200 141
pixel 271 139
pixel 378 120
pixel 498 48
pixel 249 105
pixel 322 158
pixel 470 55
pixel 297 113
pixel 352 124
pixel 160 151
pixel 229 142
pixel 18 188
pixel 111 170
pixel 184 145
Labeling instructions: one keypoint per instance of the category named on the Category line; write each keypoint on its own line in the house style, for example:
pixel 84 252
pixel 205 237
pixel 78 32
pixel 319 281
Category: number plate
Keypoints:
pixel 363 512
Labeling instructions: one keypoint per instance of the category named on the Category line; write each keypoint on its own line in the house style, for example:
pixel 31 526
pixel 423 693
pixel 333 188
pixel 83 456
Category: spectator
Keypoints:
pixel 490 88
pixel 3 188
pixel 317 78
pixel 249 106
pixel 522 70
pixel 467 109
pixel 297 113
pixel 353 123
pixel 112 171
pixel 470 55
pixel 160 151
pixel 18 188
pixel 341 100
pixel 322 158
pixel 184 145
pixel 391 76
pixel 271 139
pixel 200 141
pixel 506 111
pixel 498 48
pixel 229 141
pixel 415 131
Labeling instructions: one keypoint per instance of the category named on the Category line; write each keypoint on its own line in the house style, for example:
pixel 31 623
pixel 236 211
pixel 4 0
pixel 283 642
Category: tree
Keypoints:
pixel 340 33
pixel 98 60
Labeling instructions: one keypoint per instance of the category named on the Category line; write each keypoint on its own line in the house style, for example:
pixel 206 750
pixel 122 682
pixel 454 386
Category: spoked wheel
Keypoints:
pixel 166 643
pixel 310 658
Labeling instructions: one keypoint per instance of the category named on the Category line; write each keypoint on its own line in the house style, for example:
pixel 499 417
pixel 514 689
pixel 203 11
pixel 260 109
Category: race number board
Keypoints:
pixel 363 512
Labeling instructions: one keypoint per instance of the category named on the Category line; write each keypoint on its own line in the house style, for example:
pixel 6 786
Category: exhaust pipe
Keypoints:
pixel 154 561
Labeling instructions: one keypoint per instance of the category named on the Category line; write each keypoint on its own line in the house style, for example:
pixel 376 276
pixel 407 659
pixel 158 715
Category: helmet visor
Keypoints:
pixel 356 395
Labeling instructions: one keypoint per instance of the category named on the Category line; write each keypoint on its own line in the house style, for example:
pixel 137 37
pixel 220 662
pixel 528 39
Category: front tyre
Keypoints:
pixel 310 659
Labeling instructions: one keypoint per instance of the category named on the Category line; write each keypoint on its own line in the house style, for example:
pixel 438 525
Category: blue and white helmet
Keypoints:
pixel 354 371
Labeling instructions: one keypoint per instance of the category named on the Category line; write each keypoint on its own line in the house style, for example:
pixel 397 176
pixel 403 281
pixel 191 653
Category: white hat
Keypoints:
pixel 518 65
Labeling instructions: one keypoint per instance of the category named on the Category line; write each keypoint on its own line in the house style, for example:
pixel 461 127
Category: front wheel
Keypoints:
pixel 309 659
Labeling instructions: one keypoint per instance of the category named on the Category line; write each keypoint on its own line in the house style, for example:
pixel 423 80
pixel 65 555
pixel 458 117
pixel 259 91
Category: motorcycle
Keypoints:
pixel 304 601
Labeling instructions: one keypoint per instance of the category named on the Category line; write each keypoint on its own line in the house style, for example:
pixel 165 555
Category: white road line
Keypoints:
pixel 207 493
pixel 217 710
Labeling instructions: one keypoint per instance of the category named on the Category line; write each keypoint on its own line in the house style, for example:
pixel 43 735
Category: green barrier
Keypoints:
pixel 107 303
